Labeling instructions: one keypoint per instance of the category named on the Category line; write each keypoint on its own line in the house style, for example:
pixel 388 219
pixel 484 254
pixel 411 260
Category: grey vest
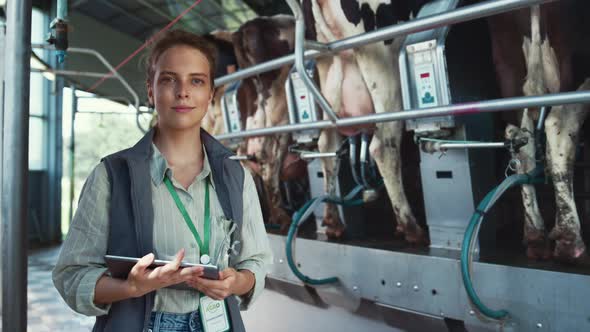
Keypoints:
pixel 131 220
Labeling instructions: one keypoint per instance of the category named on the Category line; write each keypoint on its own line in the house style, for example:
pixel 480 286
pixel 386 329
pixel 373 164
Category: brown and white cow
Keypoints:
pixel 213 121
pixel 362 81
pixel 256 41
pixel 556 31
pixel 226 63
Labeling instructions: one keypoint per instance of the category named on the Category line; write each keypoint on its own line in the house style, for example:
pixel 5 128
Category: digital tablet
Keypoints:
pixel 120 266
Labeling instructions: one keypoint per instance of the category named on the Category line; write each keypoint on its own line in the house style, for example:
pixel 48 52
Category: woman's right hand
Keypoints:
pixel 142 280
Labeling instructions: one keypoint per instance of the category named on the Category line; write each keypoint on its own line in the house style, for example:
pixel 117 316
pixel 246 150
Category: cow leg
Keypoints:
pixel 330 141
pixel 563 129
pixel 271 170
pixel 535 84
pixel 330 74
pixel 378 66
pixel 534 226
pixel 509 64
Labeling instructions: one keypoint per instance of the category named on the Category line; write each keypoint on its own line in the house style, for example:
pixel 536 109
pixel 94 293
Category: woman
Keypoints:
pixel 166 197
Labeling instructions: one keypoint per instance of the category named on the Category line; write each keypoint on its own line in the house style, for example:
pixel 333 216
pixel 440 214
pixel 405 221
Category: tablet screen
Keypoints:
pixel 120 266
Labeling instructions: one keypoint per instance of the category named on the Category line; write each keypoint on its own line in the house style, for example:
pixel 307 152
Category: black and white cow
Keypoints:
pixel 555 35
pixel 362 81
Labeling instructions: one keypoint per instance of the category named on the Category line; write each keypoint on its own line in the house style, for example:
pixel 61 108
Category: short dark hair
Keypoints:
pixel 175 38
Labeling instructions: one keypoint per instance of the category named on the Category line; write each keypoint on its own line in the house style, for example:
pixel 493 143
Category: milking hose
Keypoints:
pixel 303 214
pixel 472 231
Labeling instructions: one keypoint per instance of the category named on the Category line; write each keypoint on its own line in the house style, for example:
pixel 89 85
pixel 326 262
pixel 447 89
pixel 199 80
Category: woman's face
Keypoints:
pixel 181 89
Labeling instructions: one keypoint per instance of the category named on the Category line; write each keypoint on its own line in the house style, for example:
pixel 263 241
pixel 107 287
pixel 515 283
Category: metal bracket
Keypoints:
pixel 299 60
pixel 104 61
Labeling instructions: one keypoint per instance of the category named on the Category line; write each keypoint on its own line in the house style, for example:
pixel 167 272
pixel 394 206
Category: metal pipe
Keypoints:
pixel 462 14
pixel 299 61
pixel 15 168
pixel 104 61
pixel 112 70
pixel 2 112
pixel 352 158
pixel 482 145
pixel 106 113
pixel 70 72
pixel 263 67
pixel 62 9
pixel 113 98
pixel 494 105
pixel 542 115
pixel 312 155
pixel 242 157
pixel 364 160
pixel 315 45
pixel 72 152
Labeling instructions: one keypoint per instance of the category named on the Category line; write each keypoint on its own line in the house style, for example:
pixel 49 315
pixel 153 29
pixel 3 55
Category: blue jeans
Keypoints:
pixel 169 322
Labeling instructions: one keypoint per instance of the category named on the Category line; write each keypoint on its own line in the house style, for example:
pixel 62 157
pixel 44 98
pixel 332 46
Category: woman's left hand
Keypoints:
pixel 230 282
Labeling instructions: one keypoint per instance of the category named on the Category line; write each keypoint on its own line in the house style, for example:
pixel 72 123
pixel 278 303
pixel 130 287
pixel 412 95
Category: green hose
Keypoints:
pixel 301 216
pixel 471 236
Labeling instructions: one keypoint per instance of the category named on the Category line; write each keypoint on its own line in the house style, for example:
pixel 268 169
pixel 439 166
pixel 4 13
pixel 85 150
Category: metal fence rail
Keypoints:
pixel 494 105
pixel 456 16
pixel 104 61
pixel 463 14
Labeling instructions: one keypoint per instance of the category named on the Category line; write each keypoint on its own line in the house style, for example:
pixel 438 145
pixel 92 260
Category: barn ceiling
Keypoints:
pixel 142 18
pixel 116 28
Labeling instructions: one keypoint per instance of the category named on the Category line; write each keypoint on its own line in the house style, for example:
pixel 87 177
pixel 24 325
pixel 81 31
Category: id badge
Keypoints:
pixel 213 315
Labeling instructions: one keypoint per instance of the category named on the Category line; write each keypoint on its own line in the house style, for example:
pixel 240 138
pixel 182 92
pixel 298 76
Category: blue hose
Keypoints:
pixel 496 314
pixel 301 216
pixel 476 219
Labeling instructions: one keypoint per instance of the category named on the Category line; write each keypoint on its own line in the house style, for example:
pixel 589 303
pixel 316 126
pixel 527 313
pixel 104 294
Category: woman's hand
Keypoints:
pixel 230 282
pixel 142 280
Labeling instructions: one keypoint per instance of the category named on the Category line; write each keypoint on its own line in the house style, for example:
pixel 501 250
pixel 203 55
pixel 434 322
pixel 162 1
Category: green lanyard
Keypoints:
pixel 204 247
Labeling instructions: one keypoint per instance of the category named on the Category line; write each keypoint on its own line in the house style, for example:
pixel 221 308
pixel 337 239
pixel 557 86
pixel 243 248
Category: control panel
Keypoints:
pixel 302 98
pixel 230 108
pixel 425 85
pixel 302 106
pixel 423 72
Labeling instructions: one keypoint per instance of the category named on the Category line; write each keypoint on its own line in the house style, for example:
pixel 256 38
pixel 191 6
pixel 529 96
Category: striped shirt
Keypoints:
pixel 81 263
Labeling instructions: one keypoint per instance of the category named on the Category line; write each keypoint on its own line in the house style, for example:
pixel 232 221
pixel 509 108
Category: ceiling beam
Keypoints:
pixel 196 13
pixel 226 12
pixel 163 14
pixel 127 13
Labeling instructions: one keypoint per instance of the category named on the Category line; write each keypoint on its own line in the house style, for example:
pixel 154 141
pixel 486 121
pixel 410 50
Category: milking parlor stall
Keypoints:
pixel 421 165
pixel 432 160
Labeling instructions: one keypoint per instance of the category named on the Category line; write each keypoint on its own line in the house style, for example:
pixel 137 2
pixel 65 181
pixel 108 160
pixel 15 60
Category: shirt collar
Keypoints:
pixel 159 167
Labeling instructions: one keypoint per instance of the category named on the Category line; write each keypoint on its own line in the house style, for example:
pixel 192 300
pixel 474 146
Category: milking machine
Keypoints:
pixel 231 112
pixel 303 109
pixel 454 279
pixel 353 162
pixel 447 180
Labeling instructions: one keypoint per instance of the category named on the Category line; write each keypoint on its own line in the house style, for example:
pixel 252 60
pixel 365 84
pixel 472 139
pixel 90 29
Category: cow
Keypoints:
pixel 256 41
pixel 538 46
pixel 362 81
